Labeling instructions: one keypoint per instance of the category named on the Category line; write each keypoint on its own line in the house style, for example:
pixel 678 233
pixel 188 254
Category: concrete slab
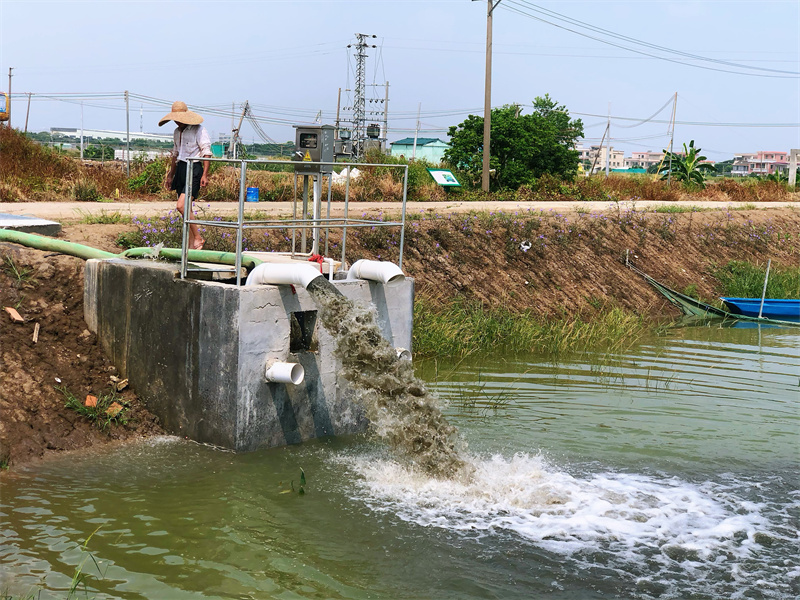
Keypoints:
pixel 29 224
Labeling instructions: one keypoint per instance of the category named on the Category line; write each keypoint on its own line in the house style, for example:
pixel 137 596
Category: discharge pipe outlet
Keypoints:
pixel 283 372
pixel 375 270
pixel 283 274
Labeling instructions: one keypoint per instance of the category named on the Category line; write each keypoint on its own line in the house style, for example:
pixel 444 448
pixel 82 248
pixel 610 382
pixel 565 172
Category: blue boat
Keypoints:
pixel 773 309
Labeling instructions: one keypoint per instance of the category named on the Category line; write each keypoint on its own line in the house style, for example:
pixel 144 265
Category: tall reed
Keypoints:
pixel 461 328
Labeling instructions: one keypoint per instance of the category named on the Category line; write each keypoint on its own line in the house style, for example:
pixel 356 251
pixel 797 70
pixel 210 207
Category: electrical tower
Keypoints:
pixel 359 101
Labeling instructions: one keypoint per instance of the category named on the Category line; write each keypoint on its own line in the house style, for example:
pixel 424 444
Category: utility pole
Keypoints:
pixel 9 95
pixel 128 133
pixel 28 112
pixel 338 108
pixel 386 119
pixel 416 133
pixel 487 101
pixel 672 137
pixel 608 146
pixel 81 129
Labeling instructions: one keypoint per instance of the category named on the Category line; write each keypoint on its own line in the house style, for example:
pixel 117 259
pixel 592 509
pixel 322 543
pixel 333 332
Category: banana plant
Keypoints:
pixel 688 167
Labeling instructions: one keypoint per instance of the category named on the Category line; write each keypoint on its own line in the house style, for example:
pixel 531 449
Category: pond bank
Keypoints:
pixel 543 266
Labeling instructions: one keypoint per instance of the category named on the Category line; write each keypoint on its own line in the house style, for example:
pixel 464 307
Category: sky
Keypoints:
pixel 735 65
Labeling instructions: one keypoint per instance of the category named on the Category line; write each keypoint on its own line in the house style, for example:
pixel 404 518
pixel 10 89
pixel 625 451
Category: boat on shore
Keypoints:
pixel 769 308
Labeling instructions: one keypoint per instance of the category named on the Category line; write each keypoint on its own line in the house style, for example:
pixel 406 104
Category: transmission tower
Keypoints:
pixel 359 102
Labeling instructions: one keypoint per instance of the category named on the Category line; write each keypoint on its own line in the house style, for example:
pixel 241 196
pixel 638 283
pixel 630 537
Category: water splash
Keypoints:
pixel 400 408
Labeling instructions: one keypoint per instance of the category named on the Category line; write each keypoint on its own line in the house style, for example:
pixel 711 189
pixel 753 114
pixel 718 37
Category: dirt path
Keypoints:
pixel 76 211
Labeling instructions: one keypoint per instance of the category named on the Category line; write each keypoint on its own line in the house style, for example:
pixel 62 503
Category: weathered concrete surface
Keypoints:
pixel 196 351
pixel 29 224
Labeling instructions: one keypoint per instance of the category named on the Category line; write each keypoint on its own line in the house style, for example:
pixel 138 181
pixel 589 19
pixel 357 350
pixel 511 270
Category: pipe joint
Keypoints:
pixel 283 372
pixel 376 270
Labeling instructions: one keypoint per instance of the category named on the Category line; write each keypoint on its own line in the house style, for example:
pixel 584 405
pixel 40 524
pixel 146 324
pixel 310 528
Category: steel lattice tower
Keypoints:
pixel 359 102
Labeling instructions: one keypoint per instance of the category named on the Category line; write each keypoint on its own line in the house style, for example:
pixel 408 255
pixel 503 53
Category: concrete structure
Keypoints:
pixel 431 149
pixel 197 351
pixel 27 224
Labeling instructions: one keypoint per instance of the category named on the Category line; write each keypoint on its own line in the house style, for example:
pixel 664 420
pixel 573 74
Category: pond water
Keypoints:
pixel 670 471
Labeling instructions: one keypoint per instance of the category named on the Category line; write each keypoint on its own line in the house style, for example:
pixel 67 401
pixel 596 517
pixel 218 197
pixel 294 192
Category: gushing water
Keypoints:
pixel 400 408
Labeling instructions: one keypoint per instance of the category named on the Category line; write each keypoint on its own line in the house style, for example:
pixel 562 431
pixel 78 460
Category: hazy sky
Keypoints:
pixel 731 62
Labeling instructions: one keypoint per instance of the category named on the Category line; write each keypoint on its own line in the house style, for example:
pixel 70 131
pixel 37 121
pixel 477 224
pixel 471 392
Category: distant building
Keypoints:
pixel 103 133
pixel 597 156
pixel 431 149
pixel 763 162
pixel 146 155
pixel 644 160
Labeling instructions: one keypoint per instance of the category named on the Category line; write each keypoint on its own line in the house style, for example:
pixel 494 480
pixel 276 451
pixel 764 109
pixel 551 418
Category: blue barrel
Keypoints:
pixel 252 194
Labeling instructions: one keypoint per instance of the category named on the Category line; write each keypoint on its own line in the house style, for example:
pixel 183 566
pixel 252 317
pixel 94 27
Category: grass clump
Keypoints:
pixel 461 328
pixel 677 209
pixel 740 279
pixel 102 410
pixel 104 218
pixel 150 178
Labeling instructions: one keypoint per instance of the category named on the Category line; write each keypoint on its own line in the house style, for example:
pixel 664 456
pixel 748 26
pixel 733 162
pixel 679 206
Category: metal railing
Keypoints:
pixel 315 223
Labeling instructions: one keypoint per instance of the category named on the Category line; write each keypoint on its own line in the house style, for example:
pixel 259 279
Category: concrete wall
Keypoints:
pixel 196 352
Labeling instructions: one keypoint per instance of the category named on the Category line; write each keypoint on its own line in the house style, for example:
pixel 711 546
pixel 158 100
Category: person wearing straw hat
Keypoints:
pixel 191 140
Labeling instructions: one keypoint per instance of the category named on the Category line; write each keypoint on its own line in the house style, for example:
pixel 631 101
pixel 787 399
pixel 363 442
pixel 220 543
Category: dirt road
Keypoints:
pixel 76 211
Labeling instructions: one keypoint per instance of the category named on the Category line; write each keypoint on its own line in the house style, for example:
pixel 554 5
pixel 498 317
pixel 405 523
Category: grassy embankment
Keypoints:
pixel 466 318
pixel 481 316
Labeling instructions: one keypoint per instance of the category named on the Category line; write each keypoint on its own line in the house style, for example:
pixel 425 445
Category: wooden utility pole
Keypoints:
pixel 487 101
pixel 672 137
pixel 28 112
pixel 9 95
pixel 127 134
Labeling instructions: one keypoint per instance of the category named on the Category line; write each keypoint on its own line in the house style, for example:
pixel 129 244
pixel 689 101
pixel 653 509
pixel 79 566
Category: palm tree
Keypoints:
pixel 687 167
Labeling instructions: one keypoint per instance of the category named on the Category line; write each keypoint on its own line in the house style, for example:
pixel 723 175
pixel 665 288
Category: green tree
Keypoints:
pixel 93 152
pixel 688 167
pixel 523 147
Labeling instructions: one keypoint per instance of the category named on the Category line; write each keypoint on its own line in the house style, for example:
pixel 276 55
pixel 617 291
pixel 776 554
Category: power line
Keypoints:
pixel 523 7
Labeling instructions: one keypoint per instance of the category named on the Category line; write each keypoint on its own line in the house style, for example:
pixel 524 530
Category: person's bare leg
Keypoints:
pixel 195 241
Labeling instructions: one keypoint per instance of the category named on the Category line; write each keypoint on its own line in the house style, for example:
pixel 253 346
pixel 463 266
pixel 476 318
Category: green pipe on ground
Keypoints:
pixel 42 242
pixel 208 256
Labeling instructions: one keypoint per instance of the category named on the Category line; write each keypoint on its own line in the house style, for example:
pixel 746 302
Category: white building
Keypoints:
pixel 103 133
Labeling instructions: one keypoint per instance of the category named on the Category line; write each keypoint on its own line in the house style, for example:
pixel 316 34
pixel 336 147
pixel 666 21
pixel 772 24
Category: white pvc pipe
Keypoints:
pixel 330 262
pixel 283 274
pixel 282 372
pixel 376 270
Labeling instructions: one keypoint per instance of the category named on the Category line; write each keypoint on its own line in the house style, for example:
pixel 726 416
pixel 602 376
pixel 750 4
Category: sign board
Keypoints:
pixel 444 177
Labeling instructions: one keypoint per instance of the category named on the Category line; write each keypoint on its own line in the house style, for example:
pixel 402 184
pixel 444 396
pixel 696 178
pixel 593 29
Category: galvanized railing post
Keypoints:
pixel 239 227
pixel 346 213
pixel 403 219
pixel 187 217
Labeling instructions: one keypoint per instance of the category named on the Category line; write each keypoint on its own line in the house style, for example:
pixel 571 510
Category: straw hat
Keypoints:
pixel 181 114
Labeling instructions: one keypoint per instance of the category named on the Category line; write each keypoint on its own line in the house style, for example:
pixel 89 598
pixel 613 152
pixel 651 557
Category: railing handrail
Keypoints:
pixel 315 223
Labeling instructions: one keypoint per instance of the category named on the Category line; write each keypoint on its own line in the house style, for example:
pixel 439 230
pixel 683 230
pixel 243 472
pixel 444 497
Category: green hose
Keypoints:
pixel 209 256
pixel 41 242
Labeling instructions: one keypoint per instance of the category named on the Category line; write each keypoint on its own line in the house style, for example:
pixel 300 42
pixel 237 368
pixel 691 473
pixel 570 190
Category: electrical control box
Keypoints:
pixel 313 145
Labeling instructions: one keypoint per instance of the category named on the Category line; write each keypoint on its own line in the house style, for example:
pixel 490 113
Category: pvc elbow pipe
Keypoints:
pixel 283 372
pixel 283 274
pixel 376 270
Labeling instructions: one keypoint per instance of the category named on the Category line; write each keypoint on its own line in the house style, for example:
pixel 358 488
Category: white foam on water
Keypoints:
pixel 632 519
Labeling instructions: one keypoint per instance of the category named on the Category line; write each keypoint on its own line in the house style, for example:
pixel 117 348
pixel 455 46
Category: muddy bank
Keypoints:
pixel 48 290
pixel 557 265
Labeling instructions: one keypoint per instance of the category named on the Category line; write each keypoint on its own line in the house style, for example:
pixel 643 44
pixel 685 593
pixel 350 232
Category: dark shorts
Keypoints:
pixel 179 179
